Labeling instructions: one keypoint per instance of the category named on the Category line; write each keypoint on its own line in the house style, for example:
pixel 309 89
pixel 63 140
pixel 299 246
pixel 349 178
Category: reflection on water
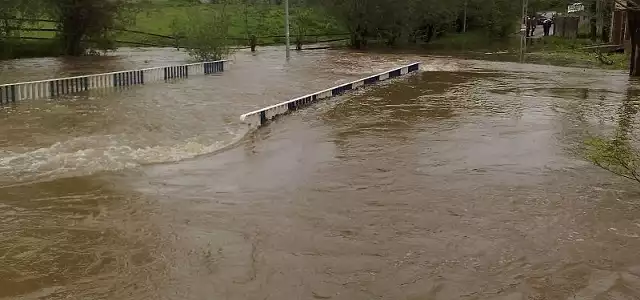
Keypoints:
pixel 461 182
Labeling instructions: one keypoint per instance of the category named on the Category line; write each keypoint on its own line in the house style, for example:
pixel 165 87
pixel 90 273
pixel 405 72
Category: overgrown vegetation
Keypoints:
pixel 619 154
pixel 77 25
pixel 616 156
pixel 575 52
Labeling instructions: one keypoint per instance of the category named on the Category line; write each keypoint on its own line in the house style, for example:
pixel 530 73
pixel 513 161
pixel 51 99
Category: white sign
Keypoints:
pixel 576 7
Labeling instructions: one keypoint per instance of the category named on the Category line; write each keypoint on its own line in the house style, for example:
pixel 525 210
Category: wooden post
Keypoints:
pixel 599 21
pixel 523 35
pixel 253 42
pixel 634 32
pixel 464 20
pixel 299 43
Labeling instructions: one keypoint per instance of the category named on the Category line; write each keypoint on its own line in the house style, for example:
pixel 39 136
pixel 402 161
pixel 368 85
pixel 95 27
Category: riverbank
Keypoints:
pixel 545 50
pixel 574 52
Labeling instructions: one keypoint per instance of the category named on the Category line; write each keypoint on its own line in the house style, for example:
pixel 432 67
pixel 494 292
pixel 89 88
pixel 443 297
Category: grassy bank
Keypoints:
pixel 574 52
pixel 546 50
pixel 261 20
pixel 161 17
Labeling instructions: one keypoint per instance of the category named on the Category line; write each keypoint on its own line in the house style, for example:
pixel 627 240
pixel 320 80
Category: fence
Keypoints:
pixel 150 39
pixel 261 117
pixel 567 27
pixel 10 93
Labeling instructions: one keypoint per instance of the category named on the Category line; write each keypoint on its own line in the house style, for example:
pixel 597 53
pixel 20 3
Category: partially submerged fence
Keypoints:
pixel 10 93
pixel 261 117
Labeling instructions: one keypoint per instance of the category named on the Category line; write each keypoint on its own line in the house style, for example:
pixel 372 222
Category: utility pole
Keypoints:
pixel 523 40
pixel 464 21
pixel 599 20
pixel 286 27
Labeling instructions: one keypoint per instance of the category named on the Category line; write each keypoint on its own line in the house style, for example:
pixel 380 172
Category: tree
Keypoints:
pixel 15 13
pixel 359 17
pixel 301 23
pixel 410 20
pixel 205 34
pixel 90 23
pixel 432 17
pixel 633 16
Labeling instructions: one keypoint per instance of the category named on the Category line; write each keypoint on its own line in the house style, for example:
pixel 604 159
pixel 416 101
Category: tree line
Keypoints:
pixel 397 21
pixel 81 24
pixel 86 24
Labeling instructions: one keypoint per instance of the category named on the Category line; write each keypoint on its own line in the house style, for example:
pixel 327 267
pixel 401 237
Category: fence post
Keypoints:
pixel 298 43
pixel 253 41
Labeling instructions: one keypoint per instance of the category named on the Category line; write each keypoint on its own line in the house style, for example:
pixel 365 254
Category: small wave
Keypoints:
pixel 440 66
pixel 88 155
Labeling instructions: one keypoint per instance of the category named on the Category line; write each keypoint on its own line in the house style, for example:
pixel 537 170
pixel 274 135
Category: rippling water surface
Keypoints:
pixel 460 182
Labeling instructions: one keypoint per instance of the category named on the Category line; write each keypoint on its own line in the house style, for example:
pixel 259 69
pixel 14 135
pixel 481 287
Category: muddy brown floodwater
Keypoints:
pixel 461 182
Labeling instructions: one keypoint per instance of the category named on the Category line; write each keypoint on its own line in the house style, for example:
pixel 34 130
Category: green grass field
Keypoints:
pixel 548 50
pixel 572 52
pixel 265 20
pixel 262 21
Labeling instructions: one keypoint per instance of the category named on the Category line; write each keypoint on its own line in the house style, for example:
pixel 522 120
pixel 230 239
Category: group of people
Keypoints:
pixel 532 24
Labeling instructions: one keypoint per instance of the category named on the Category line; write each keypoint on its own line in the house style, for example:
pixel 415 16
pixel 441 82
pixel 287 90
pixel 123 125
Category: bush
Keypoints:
pixel 619 154
pixel 205 34
pixel 615 156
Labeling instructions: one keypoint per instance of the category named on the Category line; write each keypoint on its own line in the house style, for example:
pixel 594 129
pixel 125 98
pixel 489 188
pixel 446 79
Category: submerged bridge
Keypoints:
pixel 46 89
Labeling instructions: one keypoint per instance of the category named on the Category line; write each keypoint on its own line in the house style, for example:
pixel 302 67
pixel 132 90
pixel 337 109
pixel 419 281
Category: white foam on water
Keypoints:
pixel 441 67
pixel 92 154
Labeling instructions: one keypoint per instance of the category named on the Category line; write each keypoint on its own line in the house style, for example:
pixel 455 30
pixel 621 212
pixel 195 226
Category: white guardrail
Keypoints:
pixel 10 93
pixel 261 117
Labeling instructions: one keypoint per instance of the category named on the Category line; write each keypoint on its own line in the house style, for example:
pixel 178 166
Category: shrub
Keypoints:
pixel 205 34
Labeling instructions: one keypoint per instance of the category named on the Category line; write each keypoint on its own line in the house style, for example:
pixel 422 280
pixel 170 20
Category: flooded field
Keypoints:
pixel 461 182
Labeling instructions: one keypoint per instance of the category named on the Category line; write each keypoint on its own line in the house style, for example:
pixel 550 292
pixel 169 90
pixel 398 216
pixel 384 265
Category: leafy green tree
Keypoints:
pixel 412 20
pixel 90 23
pixel 360 17
pixel 205 34
pixel 432 17
pixel 16 13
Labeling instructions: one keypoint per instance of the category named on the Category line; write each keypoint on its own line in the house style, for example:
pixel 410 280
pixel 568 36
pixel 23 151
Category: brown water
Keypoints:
pixel 20 70
pixel 461 182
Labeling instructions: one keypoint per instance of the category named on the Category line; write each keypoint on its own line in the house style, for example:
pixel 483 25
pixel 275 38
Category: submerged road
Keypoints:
pixel 461 182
